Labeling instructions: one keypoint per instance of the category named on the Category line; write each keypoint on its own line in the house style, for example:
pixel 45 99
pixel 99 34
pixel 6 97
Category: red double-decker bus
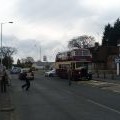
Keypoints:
pixel 75 63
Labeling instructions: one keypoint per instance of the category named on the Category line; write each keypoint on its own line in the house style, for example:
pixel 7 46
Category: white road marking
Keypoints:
pixel 116 91
pixel 115 87
pixel 104 106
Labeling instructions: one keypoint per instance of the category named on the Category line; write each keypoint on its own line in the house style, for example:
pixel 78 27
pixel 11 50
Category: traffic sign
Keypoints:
pixel 44 58
pixel 117 60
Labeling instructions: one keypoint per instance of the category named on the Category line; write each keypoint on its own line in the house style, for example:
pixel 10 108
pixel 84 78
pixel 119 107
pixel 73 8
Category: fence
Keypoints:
pixel 105 74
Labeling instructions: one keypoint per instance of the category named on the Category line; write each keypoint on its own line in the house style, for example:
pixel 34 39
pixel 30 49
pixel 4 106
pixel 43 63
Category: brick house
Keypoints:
pixel 104 57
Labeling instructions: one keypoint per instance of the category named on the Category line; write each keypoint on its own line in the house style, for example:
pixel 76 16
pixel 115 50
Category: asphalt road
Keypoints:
pixel 54 99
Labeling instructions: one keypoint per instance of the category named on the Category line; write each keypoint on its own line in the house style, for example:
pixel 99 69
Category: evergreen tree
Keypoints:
pixel 111 35
pixel 107 35
pixel 116 33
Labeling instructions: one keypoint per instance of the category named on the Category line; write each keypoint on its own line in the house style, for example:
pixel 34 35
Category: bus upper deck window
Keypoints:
pixel 86 52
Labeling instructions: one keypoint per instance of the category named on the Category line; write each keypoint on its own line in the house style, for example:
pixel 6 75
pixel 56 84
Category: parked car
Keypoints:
pixel 15 70
pixel 51 73
pixel 30 74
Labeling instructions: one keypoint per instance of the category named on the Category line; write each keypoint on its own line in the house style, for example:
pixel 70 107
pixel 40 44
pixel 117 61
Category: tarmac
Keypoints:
pixel 7 107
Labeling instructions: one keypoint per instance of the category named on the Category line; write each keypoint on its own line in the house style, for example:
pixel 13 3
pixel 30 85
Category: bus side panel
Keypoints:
pixel 62 73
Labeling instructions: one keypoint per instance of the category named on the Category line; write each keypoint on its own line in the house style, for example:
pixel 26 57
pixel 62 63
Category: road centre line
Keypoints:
pixel 103 106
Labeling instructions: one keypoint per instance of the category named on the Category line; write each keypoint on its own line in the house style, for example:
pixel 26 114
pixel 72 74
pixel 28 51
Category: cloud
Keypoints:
pixel 55 17
pixel 50 24
pixel 31 47
pixel 53 10
pixel 68 11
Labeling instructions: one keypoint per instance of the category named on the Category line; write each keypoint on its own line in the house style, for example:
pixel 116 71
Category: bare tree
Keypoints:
pixel 23 60
pixel 8 51
pixel 29 59
pixel 27 62
pixel 82 42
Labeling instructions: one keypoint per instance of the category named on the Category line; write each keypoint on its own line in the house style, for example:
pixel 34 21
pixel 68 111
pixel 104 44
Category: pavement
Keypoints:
pixel 108 84
pixel 115 80
pixel 7 108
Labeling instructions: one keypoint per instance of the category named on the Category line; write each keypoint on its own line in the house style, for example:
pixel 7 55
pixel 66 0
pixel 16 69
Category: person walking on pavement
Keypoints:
pixel 3 80
pixel 27 84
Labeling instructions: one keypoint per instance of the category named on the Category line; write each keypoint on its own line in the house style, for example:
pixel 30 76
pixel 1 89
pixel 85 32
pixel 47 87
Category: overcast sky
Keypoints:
pixel 49 24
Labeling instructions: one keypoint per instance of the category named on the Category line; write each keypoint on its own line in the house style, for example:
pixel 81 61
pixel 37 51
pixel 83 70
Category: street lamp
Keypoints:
pixel 39 50
pixel 1 40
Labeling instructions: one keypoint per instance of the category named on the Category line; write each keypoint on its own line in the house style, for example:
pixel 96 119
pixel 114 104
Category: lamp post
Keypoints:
pixel 1 40
pixel 38 50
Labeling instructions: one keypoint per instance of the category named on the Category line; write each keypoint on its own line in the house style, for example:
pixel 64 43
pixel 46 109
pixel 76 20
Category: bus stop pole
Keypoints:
pixel 118 70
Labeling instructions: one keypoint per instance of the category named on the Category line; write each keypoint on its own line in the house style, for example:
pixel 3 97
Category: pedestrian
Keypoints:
pixel 3 80
pixel 27 84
